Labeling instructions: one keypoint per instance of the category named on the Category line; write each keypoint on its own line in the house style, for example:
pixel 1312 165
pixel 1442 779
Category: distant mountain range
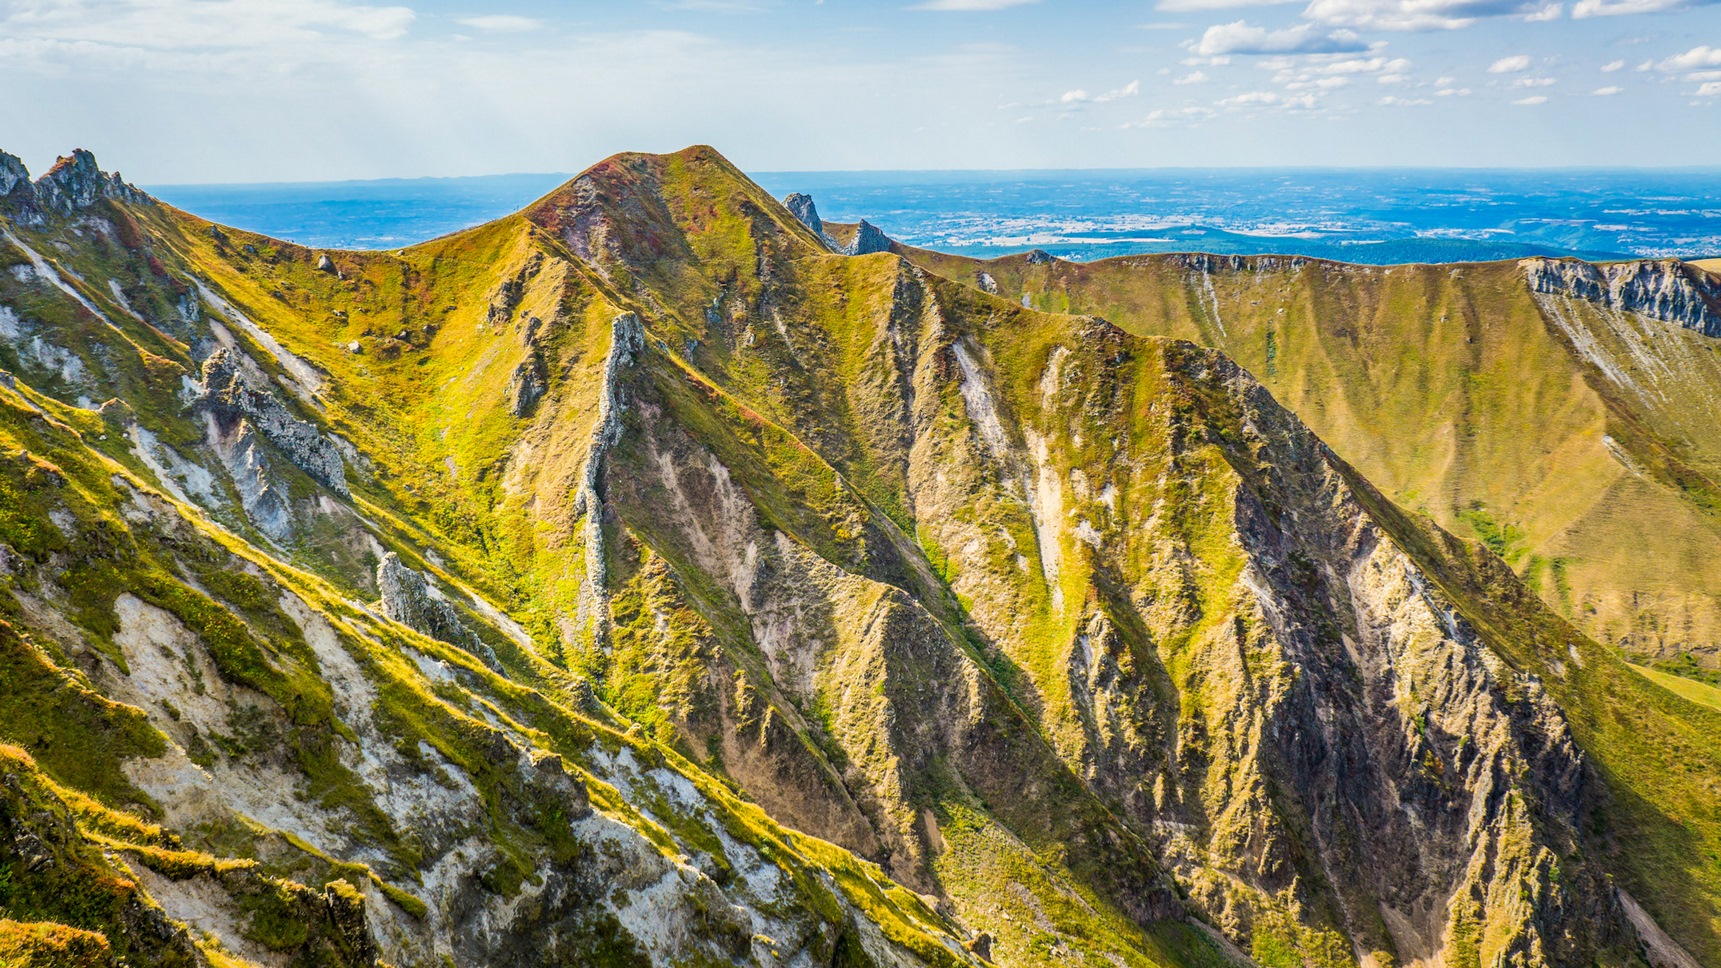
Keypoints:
pixel 664 575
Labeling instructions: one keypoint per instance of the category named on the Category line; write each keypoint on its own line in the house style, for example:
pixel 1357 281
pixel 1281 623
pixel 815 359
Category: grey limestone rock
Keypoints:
pixel 407 598
pixel 76 182
pixel 1664 289
pixel 528 384
pixel 868 239
pixel 228 395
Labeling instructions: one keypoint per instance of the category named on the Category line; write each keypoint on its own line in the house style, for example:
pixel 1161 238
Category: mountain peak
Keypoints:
pixel 75 182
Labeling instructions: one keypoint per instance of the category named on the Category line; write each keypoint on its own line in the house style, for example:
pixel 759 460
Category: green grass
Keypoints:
pixel 1701 693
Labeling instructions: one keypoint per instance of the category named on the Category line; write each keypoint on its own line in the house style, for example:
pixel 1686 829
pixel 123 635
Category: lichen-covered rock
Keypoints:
pixel 229 395
pixel 1664 289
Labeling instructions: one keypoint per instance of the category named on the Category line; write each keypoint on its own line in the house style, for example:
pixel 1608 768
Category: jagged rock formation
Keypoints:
pixel 408 599
pixel 824 612
pixel 801 206
pixel 73 184
pixel 867 240
pixel 227 394
pixel 1664 289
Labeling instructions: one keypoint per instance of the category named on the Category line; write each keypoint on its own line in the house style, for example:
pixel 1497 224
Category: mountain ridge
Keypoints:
pixel 785 535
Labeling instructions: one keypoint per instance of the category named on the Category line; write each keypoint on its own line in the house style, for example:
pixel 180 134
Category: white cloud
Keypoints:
pixel 1453 92
pixel 1417 14
pixel 1612 66
pixel 1392 100
pixel 1711 89
pixel 501 23
pixel 1193 77
pixel 1608 91
pixel 1080 96
pixel 1243 38
pixel 1268 99
pixel 204 24
pixel 1167 117
pixel 1531 101
pixel 1550 12
pixel 1510 65
pixel 1616 8
pixel 1694 59
pixel 1533 82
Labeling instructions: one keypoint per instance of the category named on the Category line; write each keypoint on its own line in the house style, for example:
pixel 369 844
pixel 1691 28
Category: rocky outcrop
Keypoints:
pixel 14 180
pixel 505 299
pixel 528 384
pixel 868 239
pixel 229 395
pixel 77 182
pixel 801 206
pixel 408 599
pixel 1039 257
pixel 1664 289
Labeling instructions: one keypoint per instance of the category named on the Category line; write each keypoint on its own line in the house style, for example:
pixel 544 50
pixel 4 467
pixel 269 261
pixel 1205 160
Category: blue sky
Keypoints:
pixel 269 90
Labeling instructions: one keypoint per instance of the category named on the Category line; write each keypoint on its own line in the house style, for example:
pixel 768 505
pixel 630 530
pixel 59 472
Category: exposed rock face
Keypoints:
pixel 1039 257
pixel 868 239
pixel 227 394
pixel 77 182
pixel 14 177
pixel 407 598
pixel 1664 289
pixel 801 206
pixel 528 385
pixel 507 295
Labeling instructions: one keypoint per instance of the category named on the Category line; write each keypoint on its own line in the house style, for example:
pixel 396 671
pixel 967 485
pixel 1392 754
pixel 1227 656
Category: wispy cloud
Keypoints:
pixel 1243 38
pixel 1417 14
pixel 1531 101
pixel 1608 91
pixel 1080 96
pixel 1616 8
pixel 1696 58
pixel 1510 65
pixel 501 23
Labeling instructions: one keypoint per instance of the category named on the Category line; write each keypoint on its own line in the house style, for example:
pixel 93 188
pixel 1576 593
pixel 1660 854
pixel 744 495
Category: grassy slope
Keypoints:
pixel 416 407
pixel 437 436
pixel 1701 693
pixel 1444 385
pixel 1442 358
